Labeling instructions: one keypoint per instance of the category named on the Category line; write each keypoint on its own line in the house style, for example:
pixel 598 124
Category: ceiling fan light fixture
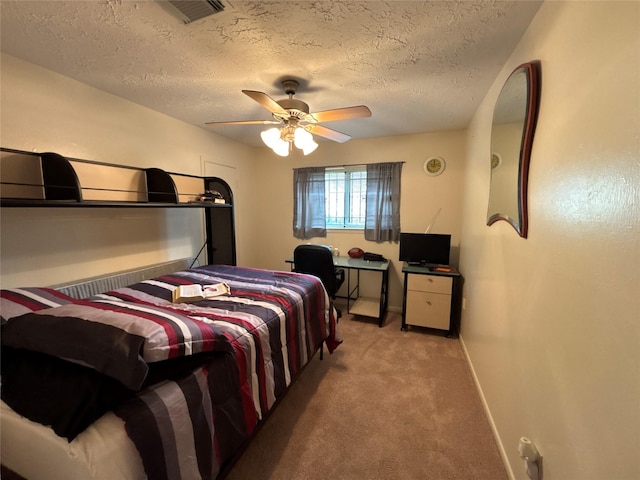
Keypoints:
pixel 280 140
pixel 310 148
pixel 304 141
pixel 281 148
pixel 297 125
pixel 301 138
pixel 271 137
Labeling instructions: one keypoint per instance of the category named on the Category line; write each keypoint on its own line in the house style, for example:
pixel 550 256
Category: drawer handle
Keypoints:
pixel 428 302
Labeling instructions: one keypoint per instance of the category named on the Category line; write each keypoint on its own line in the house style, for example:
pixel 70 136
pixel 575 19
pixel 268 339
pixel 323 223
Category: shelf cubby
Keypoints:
pixel 49 179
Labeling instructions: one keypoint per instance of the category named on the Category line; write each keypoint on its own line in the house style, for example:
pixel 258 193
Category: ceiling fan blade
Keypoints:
pixel 246 122
pixel 346 113
pixel 266 101
pixel 328 133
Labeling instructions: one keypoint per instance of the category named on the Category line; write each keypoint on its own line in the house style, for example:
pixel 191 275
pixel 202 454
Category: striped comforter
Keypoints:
pixel 201 374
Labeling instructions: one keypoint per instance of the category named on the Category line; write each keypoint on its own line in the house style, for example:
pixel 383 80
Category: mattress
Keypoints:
pixel 102 452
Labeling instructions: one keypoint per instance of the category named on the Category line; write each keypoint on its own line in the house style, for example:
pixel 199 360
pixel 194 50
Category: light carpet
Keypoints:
pixel 386 405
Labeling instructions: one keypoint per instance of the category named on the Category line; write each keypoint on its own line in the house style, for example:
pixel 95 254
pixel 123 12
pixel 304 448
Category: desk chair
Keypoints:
pixel 318 260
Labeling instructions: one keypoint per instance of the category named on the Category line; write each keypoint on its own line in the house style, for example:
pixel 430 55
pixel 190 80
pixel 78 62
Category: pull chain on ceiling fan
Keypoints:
pixel 296 123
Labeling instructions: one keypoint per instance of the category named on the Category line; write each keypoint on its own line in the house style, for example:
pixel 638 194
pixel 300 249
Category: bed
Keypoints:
pixel 127 384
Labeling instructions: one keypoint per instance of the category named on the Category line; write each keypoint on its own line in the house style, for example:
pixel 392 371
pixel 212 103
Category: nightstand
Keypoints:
pixel 431 297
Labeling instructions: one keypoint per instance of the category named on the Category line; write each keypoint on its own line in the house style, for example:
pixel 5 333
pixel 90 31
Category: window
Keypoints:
pixel 355 197
pixel 345 197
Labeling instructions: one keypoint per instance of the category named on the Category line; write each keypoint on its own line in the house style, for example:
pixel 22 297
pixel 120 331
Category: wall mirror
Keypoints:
pixel 512 130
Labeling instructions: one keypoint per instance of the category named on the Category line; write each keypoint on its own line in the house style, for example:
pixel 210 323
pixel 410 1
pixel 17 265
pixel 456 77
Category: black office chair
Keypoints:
pixel 318 260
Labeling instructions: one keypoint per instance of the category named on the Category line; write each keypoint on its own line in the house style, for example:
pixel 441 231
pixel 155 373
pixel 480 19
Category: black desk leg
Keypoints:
pixel 384 289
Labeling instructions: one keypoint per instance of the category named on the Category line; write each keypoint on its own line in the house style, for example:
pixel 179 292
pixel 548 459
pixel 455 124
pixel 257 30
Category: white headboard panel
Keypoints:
pixel 92 286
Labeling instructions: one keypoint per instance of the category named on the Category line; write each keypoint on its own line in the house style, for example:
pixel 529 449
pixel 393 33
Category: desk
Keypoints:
pixel 368 307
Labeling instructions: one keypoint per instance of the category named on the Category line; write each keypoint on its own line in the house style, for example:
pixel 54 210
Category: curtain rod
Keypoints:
pixel 346 165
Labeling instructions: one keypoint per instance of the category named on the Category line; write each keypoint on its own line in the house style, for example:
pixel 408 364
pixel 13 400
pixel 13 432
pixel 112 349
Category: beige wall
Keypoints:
pixel 422 197
pixel 43 111
pixel 552 322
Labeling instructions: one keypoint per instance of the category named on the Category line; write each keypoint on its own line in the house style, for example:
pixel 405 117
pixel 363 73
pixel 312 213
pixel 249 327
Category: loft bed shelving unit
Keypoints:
pixel 29 179
pixel 51 180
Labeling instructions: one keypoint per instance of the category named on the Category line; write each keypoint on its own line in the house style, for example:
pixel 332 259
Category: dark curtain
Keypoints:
pixel 308 203
pixel 382 223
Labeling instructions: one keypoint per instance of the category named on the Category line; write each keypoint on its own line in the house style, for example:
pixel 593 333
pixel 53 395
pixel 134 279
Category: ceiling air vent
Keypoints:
pixel 192 10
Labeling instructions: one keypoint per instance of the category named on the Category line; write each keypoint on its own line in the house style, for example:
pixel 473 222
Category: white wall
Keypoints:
pixel 551 323
pixel 421 198
pixel 43 111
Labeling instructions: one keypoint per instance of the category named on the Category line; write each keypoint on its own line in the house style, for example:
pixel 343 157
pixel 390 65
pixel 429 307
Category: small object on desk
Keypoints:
pixel 443 268
pixel 356 252
pixel 194 293
pixel 373 257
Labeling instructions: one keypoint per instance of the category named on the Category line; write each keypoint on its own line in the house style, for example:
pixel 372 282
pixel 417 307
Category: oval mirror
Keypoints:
pixel 512 130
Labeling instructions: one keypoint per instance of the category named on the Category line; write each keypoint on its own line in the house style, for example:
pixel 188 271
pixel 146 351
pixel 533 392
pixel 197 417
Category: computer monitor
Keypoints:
pixel 425 248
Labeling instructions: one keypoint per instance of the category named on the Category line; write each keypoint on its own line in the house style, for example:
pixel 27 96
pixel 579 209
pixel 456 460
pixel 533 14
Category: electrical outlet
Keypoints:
pixel 532 458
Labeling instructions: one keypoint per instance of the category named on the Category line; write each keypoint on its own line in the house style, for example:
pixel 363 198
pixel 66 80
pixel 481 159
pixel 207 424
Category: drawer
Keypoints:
pixel 428 309
pixel 430 283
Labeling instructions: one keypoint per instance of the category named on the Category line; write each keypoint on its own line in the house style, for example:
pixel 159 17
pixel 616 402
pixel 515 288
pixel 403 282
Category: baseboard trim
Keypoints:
pixel 485 405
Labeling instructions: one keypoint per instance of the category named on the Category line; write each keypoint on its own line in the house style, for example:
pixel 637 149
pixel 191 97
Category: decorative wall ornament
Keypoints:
pixel 434 166
pixel 496 160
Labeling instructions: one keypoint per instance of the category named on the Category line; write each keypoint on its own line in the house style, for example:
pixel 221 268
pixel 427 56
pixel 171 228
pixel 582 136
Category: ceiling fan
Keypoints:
pixel 296 123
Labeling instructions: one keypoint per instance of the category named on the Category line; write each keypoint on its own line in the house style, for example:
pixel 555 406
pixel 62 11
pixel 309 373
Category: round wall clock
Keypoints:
pixel 496 160
pixel 434 166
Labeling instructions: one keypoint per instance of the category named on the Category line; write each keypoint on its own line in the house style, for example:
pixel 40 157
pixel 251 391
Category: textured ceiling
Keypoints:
pixel 418 65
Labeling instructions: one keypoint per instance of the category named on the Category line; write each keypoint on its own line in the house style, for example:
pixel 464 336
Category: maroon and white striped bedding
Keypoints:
pixel 190 427
pixel 18 301
pixel 252 343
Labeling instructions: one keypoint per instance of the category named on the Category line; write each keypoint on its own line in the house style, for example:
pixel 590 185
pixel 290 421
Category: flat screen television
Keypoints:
pixel 425 248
